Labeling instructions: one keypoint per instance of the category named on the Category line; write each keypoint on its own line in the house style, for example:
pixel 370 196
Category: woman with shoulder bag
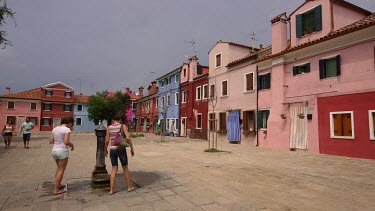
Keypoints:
pixel 114 137
pixel 8 133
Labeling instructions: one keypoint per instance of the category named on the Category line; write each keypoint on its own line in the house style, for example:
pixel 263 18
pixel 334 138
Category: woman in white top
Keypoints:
pixel 60 139
pixel 8 132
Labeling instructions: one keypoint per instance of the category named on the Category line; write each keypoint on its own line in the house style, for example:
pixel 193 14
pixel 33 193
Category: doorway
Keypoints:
pixel 56 122
pixel 298 126
pixel 183 126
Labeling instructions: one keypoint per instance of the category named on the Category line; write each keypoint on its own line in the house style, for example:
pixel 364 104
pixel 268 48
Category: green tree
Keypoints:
pixel 5 12
pixel 104 107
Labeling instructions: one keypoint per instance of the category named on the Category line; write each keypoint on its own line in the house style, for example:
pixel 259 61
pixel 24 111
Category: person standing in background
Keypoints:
pixel 26 129
pixel 8 132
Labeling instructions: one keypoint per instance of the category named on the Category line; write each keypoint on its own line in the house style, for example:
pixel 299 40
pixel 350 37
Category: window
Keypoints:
pixel 184 96
pixel 218 60
pixel 223 121
pixel 371 117
pixel 199 121
pixel 212 90
pixel 248 120
pixel 264 81
pixel 184 73
pixel 79 107
pixel 249 82
pixel 135 106
pixel 262 117
pixel 48 93
pixel 162 83
pixel 148 105
pixel 176 100
pixel 198 93
pixel 168 100
pixel 11 118
pixel 224 88
pixel 11 104
pixel 167 124
pixel 212 121
pixel 68 94
pixel 162 102
pixel 157 103
pixel 301 69
pixel 143 106
pixel 309 22
pixel 34 120
pixel 46 121
pixel 342 124
pixel 168 81
pixel 176 124
pixel 199 70
pixel 67 108
pixel 205 91
pixel 32 106
pixel 177 78
pixel 329 67
pixel 78 121
pixel 47 107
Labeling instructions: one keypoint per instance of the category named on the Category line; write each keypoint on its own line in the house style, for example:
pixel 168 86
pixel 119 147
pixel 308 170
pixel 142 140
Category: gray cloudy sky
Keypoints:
pixel 111 44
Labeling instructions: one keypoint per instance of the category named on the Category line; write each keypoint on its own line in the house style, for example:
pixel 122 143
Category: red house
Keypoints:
pixel 57 103
pixel 194 92
pixel 147 111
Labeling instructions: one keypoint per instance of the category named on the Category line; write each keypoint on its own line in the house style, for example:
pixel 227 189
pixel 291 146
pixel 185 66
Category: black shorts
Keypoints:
pixel 26 137
pixel 8 134
pixel 120 153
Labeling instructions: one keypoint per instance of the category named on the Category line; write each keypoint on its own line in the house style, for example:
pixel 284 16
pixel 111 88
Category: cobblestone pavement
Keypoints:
pixel 178 175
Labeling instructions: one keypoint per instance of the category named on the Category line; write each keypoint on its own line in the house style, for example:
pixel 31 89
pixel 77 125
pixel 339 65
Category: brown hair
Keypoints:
pixel 118 117
pixel 67 120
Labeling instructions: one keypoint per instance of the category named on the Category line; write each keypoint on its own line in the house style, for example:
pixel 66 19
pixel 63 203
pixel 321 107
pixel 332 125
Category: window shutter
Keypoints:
pixel 299 25
pixel 267 113
pixel 259 119
pixel 308 67
pixel 258 83
pixel 245 121
pixel 321 68
pixel 268 80
pixel 295 70
pixel 318 18
pixel 338 65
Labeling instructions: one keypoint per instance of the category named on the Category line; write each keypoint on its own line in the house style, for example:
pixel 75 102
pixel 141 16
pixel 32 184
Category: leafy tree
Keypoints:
pixel 5 12
pixel 104 107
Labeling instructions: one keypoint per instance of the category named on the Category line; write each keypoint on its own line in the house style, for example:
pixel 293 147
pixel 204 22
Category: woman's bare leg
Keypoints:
pixel 61 166
pixel 127 178
pixel 112 179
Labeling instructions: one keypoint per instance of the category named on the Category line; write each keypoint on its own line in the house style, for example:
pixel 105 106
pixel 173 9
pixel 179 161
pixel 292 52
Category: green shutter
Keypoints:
pixel 259 87
pixel 308 67
pixel 267 113
pixel 318 18
pixel 321 69
pixel 299 30
pixel 268 80
pixel 259 119
pixel 295 70
pixel 338 63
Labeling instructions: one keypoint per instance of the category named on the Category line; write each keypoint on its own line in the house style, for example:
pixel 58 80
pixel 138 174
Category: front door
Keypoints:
pixel 56 122
pixel 20 121
pixel 298 126
pixel 183 126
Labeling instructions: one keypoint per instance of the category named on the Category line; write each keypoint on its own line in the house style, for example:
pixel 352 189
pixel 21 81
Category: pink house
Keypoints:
pixel 316 90
pixel 20 105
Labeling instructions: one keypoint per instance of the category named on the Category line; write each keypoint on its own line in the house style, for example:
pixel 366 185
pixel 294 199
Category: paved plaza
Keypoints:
pixel 178 175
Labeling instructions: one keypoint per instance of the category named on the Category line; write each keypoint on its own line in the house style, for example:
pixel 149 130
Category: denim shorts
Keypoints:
pixel 60 155
pixel 120 153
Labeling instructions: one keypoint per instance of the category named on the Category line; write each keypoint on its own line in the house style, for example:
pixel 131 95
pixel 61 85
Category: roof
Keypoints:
pixel 343 3
pixel 232 43
pixel 33 94
pixel 278 17
pixel 55 83
pixel 81 98
pixel 356 26
pixel 249 56
pixel 169 73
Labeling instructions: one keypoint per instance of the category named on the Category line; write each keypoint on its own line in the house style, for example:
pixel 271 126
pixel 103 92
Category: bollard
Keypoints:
pixel 100 177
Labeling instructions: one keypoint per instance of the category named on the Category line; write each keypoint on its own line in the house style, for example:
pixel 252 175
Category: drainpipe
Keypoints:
pixel 256 111
pixel 332 26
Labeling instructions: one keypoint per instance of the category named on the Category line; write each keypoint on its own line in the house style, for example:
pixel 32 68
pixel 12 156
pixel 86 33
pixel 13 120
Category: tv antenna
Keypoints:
pixel 252 39
pixel 192 42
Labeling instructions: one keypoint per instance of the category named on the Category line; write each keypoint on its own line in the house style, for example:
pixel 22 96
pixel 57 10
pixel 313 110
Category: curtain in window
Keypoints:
pixel 233 133
pixel 298 128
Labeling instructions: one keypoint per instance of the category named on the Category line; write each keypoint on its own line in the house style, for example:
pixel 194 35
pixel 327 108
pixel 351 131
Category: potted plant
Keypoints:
pixel 301 115
pixel 222 131
pixel 283 116
pixel 308 29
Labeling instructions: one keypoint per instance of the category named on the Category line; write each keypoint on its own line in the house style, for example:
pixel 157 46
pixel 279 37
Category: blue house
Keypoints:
pixel 81 116
pixel 168 101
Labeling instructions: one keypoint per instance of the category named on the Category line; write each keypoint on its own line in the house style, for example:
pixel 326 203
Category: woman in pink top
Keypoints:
pixel 60 139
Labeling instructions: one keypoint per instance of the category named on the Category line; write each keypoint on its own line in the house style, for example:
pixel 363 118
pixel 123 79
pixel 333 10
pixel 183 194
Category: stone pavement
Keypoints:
pixel 178 175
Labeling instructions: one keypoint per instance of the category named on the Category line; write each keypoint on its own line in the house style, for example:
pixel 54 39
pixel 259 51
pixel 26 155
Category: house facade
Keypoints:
pixel 168 102
pixel 194 99
pixel 18 106
pixel 316 92
pixel 57 103
pixel 81 116
pixel 147 111
pixel 232 92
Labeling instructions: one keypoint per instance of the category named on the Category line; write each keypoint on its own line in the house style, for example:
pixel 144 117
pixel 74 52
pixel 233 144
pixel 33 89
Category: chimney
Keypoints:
pixel 279 33
pixel 140 91
pixel 7 90
pixel 80 94
pixel 193 65
pixel 260 47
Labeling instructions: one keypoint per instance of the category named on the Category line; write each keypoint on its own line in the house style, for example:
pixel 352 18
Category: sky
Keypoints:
pixel 95 45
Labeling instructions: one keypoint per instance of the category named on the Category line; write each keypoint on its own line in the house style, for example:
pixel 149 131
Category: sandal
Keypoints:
pixel 59 192
pixel 62 186
pixel 131 189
